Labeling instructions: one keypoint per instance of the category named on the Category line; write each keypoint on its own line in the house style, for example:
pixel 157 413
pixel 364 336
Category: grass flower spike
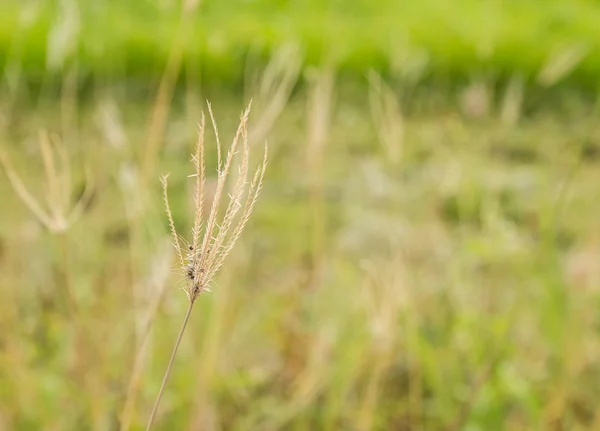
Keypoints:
pixel 212 239
pixel 61 213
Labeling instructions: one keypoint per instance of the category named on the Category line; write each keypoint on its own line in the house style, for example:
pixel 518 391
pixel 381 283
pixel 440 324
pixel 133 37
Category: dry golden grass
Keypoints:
pixel 61 213
pixel 212 240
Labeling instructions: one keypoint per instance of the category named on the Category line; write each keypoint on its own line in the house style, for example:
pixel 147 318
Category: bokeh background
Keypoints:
pixel 425 254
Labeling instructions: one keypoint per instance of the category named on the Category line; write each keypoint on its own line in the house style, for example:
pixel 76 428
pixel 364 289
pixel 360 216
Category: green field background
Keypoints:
pixel 449 39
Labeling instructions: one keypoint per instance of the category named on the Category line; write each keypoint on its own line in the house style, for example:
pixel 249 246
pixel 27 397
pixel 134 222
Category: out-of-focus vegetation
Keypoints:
pixel 425 253
pixel 546 42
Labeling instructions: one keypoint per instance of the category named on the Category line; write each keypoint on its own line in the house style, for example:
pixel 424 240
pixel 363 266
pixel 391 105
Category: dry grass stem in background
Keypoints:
pixel 168 81
pixel 157 281
pixel 212 240
pixel 387 117
pixel 61 213
pixel 319 106
pixel 274 88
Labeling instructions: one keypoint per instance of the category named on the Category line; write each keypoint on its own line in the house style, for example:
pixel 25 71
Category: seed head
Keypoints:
pixel 213 239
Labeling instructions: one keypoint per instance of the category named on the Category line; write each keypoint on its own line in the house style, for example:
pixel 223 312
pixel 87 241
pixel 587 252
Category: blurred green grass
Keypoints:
pixel 446 40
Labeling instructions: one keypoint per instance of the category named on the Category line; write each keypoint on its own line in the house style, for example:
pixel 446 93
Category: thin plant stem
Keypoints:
pixel 168 371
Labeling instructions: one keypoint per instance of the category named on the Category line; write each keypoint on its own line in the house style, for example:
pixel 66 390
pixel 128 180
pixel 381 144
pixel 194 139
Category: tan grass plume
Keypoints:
pixel 212 239
pixel 61 213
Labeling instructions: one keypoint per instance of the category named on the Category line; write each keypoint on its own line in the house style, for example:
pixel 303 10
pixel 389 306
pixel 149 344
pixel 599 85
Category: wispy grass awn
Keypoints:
pixel 212 240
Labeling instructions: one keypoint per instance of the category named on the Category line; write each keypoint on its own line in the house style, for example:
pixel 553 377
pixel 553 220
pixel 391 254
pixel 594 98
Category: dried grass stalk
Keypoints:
pixel 61 214
pixel 212 240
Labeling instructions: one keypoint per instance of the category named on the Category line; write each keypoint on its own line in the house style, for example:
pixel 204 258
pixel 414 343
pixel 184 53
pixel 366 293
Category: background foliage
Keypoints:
pixel 425 253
